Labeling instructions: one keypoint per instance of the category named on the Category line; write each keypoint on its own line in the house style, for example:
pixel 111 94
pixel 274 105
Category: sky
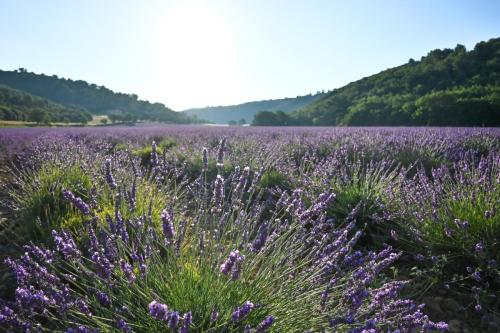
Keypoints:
pixel 188 53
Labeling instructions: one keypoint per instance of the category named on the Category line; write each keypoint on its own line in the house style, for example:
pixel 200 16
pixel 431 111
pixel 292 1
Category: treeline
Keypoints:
pixel 21 106
pixel 246 111
pixel 95 99
pixel 450 87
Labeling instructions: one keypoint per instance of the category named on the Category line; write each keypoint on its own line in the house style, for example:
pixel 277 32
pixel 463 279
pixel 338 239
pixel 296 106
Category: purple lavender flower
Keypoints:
pixel 154 155
pixel 103 298
pixel 83 307
pixel 81 329
pixel 77 202
pixel 242 182
pixel 123 326
pixel 218 193
pixel 220 153
pixel 260 240
pixel 387 291
pixel 8 317
pixel 44 255
pixel 66 245
pixel 103 266
pixel 132 195
pixel 232 264
pixel 128 270
pixel 142 265
pixel 236 271
pixel 173 319
pixel 158 310
pixel 205 160
pixel 167 216
pixel 187 320
pixel 465 225
pixel 242 311
pixel 265 324
pixel 214 315
pixel 109 175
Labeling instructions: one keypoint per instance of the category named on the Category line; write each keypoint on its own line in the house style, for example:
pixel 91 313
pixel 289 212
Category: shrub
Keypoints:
pixel 364 189
pixel 38 196
pixel 274 178
pixel 455 215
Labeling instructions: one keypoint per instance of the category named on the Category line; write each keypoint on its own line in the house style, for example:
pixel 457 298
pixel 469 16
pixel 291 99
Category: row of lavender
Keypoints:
pixel 249 229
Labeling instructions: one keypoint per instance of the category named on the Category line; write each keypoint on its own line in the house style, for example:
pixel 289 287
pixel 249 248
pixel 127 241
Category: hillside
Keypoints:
pixel 19 105
pixel 449 87
pixel 91 97
pixel 246 111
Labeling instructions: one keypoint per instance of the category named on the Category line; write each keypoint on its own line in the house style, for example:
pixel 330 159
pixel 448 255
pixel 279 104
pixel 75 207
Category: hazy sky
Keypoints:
pixel 197 53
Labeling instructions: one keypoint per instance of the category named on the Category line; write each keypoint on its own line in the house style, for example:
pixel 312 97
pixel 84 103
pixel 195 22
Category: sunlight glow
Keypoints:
pixel 197 57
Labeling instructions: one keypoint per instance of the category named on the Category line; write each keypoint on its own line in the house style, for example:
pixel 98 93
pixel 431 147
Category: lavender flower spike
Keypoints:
pixel 265 324
pixel 167 216
pixel 173 319
pixel 220 153
pixel 66 245
pixel 187 320
pixel 242 311
pixel 109 176
pixel 205 160
pixel 232 264
pixel 128 271
pixel 77 202
pixel 123 326
pixel 158 310
pixel 218 192
pixel 154 155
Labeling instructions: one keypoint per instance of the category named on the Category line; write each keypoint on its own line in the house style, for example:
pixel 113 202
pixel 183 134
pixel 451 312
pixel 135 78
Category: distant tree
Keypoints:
pixel 242 121
pixel 40 116
pixel 115 117
pixel 104 121
pixel 265 118
pixel 232 123
pixel 268 118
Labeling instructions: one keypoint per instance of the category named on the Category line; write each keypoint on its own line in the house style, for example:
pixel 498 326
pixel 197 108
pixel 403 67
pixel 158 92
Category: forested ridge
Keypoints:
pixel 448 87
pixel 95 99
pixel 22 106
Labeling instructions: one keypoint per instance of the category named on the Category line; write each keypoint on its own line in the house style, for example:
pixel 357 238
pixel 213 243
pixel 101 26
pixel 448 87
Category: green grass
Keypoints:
pixel 39 196
pixel 274 178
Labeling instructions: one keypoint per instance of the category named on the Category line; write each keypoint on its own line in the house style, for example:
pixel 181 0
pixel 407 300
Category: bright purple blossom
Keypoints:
pixel 242 311
pixel 158 310
pixel 66 245
pixel 265 324
pixel 77 202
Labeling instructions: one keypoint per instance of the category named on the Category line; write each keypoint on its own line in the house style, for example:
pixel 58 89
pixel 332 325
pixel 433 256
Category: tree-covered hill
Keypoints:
pixel 246 111
pixel 449 87
pixel 19 105
pixel 91 97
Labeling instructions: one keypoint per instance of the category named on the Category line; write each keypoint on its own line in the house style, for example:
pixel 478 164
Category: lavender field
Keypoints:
pixel 249 229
